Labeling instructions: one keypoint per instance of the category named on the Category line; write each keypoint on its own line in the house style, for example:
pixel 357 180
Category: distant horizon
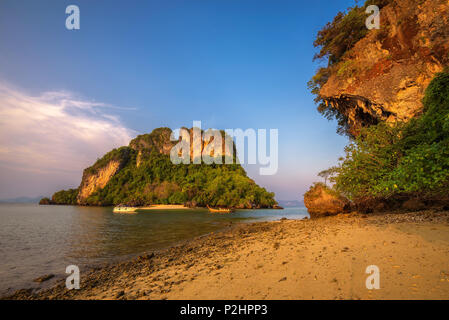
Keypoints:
pixel 37 198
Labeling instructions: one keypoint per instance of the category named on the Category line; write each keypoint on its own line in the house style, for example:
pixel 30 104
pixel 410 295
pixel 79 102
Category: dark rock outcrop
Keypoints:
pixel 414 205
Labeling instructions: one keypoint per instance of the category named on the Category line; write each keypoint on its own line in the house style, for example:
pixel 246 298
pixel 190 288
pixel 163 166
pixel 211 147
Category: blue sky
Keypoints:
pixel 147 64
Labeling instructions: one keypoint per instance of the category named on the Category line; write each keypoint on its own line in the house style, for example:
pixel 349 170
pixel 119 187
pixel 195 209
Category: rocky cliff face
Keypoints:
pixel 97 176
pixel 158 140
pixel 93 181
pixel 383 77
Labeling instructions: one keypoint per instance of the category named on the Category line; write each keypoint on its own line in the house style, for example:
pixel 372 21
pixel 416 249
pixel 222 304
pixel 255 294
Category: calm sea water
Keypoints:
pixel 37 240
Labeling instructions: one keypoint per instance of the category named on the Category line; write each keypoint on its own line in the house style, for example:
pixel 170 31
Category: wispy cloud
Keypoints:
pixel 53 135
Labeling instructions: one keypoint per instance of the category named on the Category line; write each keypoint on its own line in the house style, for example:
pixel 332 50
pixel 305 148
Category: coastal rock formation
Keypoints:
pixel 97 177
pixel 322 201
pixel 383 77
pixel 45 201
pixel 92 182
pixel 158 140
pixel 143 174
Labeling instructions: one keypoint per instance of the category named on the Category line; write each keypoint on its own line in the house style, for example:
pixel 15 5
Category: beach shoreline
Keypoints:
pixel 286 259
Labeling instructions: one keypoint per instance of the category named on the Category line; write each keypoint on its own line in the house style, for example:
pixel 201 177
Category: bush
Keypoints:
pixel 413 158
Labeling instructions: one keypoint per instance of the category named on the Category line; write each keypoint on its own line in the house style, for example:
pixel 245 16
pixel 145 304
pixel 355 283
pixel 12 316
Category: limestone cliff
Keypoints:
pixel 383 77
pixel 98 176
pixel 92 182
pixel 158 140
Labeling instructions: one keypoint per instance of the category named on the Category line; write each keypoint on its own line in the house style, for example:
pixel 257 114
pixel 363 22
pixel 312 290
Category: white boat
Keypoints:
pixel 124 209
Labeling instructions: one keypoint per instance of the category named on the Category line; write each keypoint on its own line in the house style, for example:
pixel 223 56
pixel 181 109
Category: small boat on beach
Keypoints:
pixel 220 210
pixel 124 209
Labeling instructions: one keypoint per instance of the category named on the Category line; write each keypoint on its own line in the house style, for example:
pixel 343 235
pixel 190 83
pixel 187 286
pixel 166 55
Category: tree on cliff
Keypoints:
pixel 328 173
pixel 334 41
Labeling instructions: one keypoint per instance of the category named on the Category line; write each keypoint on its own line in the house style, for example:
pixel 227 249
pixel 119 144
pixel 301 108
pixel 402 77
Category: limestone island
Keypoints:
pixel 142 175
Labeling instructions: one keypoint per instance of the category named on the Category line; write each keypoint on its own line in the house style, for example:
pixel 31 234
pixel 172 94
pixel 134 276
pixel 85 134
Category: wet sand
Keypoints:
pixel 288 259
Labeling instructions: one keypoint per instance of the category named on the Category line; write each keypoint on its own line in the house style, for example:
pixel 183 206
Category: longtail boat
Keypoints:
pixel 220 210
pixel 124 209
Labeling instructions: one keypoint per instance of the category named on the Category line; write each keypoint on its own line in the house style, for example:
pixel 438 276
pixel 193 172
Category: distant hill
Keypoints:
pixel 291 203
pixel 142 174
pixel 21 200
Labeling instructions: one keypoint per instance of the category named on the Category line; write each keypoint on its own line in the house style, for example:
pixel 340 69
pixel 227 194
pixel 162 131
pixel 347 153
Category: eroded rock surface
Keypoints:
pixel 92 182
pixel 386 73
pixel 322 201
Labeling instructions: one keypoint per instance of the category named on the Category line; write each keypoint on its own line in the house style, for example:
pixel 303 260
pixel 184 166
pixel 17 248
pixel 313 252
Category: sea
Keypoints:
pixel 40 240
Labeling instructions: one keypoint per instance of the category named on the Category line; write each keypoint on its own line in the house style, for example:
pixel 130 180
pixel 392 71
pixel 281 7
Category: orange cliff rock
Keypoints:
pixel 384 76
pixel 322 201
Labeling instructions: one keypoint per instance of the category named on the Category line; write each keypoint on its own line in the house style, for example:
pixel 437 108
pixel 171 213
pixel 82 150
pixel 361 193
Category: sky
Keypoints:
pixel 69 96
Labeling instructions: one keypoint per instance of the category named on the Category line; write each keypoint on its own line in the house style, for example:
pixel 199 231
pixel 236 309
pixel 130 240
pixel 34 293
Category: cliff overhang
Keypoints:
pixel 384 76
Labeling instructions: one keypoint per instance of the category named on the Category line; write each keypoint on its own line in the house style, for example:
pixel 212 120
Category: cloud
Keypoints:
pixel 51 137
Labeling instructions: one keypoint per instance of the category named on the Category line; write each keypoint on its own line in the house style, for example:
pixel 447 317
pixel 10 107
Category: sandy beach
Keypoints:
pixel 287 259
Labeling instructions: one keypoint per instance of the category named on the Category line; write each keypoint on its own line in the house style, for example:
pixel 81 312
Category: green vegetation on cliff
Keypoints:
pixel 373 84
pixel 157 181
pixel 121 155
pixel 410 158
pixel 65 197
pixel 62 197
